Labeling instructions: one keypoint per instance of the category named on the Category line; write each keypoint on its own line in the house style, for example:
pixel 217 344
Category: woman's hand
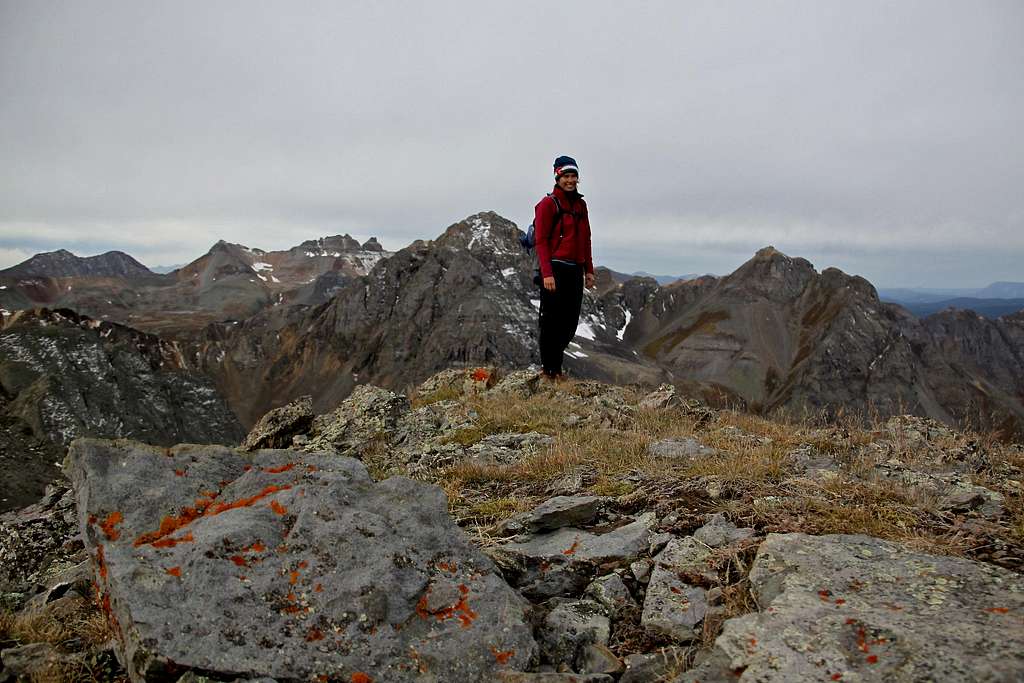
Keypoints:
pixel 589 280
pixel 549 284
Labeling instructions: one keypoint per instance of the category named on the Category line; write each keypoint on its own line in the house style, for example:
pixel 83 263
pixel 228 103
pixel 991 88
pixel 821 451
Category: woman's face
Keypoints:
pixel 568 181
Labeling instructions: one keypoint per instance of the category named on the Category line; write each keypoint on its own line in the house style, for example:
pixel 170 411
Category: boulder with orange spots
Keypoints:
pixel 287 565
pixel 857 608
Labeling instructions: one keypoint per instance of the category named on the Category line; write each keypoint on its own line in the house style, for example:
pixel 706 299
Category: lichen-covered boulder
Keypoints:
pixel 277 428
pixel 564 561
pixel 846 608
pixel 368 414
pixel 287 565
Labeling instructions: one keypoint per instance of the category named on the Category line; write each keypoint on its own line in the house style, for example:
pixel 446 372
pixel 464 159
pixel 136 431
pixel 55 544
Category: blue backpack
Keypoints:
pixel 529 239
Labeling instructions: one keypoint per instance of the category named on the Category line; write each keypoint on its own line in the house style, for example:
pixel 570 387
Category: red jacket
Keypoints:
pixel 574 243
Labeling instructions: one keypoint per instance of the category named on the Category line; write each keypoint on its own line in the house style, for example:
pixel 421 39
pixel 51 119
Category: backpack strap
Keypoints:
pixel 557 221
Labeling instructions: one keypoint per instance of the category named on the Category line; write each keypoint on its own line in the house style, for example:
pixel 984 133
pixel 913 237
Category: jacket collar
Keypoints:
pixel 564 196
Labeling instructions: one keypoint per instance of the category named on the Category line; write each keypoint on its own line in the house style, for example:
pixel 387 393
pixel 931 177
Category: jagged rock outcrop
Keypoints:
pixel 855 607
pixel 69 376
pixel 287 565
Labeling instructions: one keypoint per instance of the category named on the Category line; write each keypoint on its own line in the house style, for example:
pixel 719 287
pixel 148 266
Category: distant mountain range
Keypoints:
pixel 230 281
pixel 997 299
pixel 328 314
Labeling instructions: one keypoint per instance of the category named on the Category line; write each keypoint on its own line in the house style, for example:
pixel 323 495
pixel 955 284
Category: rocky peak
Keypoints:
pixel 333 245
pixel 771 274
pixel 372 245
pixel 63 263
pixel 483 232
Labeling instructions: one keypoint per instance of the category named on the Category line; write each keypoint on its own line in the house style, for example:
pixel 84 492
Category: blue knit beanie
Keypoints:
pixel 565 164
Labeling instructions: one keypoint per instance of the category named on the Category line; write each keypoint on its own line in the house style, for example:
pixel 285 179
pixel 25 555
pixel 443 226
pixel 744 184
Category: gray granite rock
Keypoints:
pixel 654 666
pixel 287 565
pixel 597 658
pixel 672 607
pixel 569 626
pixel 661 398
pixel 679 449
pixel 508 448
pixel 611 593
pixel 641 570
pixel 556 513
pixel 367 414
pixel 37 662
pixel 278 427
pixel 37 543
pixel 516 677
pixel 718 532
pixel 859 608
pixel 564 561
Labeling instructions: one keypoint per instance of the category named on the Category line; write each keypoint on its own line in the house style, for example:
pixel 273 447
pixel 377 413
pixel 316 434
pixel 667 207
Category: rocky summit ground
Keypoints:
pixel 495 527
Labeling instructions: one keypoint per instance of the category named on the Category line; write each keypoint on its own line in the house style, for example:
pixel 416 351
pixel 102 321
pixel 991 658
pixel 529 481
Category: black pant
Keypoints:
pixel 560 314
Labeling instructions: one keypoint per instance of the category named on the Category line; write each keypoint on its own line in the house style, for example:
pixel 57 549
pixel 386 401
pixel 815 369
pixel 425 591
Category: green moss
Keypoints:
pixel 444 394
pixel 466 436
pixel 611 487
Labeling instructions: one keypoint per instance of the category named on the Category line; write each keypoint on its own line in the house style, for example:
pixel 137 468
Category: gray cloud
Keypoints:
pixel 883 138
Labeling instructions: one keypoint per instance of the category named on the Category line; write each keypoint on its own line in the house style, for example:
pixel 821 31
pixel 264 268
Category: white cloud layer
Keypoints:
pixel 865 134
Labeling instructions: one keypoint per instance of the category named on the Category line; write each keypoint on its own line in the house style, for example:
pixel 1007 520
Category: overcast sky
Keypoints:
pixel 885 138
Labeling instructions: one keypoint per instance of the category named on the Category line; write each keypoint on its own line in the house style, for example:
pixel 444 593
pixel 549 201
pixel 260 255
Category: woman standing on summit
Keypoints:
pixel 562 231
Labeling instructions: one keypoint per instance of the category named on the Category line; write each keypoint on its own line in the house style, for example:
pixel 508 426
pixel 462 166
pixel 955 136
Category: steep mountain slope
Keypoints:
pixel 66 376
pixel 465 298
pixel 775 334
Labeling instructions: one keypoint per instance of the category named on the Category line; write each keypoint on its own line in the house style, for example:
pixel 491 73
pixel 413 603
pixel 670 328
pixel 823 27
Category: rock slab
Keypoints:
pixel 850 607
pixel 287 565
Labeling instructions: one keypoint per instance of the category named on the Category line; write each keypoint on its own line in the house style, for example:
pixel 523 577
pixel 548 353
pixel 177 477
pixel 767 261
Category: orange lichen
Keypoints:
pixel 303 564
pixel 180 473
pixel 314 635
pixel 204 507
pixel 101 564
pixel 92 519
pixel 312 468
pixel 572 548
pixel 448 566
pixel 293 578
pixel 840 601
pixel 246 502
pixel 174 571
pixel 862 637
pixel 360 677
pixel 290 597
pixel 279 470
pixel 837 677
pixel 481 375
pixel 872 659
pixel 239 560
pixel 460 610
pixel 318 588
pixel 998 610
pixel 171 542
pixel 825 595
pixel 278 508
pixel 109 525
pixel 256 547
pixel 502 657
pixel 247 468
